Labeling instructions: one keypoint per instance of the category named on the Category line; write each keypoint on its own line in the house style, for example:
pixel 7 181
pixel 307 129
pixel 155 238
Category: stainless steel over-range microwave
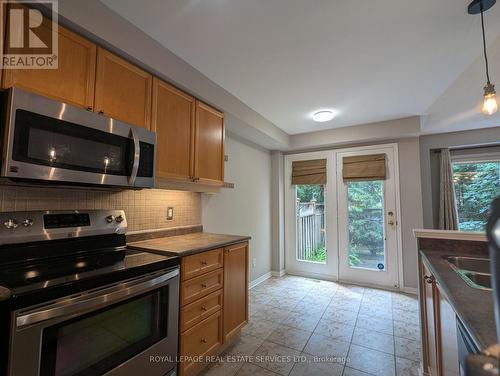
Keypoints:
pixel 47 140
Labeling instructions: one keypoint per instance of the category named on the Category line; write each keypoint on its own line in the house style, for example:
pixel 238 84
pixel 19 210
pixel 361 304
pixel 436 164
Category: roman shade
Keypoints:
pixel 364 167
pixel 309 172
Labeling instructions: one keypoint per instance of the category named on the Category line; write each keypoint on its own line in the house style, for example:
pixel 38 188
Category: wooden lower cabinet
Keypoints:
pixel 201 340
pixel 195 312
pixel 439 328
pixel 235 283
pixel 213 303
pixel 430 346
pixel 198 287
pixel 201 263
pixel 448 337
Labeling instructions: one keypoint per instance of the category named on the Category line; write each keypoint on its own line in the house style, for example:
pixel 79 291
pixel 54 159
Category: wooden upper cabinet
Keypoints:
pixel 123 91
pixel 72 82
pixel 235 289
pixel 209 145
pixel 173 121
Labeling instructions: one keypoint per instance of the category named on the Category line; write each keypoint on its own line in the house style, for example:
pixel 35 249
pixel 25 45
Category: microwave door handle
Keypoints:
pixel 137 155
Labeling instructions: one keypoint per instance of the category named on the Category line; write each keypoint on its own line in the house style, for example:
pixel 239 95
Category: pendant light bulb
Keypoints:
pixel 490 105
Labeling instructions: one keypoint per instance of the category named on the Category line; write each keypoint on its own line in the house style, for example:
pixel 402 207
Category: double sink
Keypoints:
pixel 475 271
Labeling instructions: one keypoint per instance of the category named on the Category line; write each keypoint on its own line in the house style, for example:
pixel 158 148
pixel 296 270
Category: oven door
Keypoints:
pixel 128 328
pixel 53 141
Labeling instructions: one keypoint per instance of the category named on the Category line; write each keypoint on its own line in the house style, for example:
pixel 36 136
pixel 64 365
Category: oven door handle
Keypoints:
pixel 137 156
pixel 96 298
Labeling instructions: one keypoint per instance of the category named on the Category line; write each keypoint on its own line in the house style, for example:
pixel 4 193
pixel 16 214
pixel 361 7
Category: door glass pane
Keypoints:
pixel 366 224
pixel 476 186
pixel 310 218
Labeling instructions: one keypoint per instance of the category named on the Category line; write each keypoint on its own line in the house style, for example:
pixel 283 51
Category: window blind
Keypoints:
pixel 364 167
pixel 309 172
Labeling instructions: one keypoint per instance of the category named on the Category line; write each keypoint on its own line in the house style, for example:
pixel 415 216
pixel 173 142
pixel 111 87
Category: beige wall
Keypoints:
pixel 411 206
pixel 145 209
pixel 246 209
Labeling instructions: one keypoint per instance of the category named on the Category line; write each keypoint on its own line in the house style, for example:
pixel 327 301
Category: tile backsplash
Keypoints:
pixel 145 209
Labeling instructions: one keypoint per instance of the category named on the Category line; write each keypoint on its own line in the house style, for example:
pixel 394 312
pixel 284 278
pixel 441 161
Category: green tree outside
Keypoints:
pixel 476 186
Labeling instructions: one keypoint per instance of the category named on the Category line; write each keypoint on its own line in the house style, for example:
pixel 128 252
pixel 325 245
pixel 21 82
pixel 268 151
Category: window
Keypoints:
pixel 310 217
pixel 366 224
pixel 477 183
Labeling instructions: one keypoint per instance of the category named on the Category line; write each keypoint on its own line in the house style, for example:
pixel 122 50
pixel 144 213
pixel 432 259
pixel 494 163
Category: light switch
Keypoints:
pixel 170 214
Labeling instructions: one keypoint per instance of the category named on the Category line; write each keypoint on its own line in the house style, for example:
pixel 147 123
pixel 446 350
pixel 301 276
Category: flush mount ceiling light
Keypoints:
pixel 490 105
pixel 323 115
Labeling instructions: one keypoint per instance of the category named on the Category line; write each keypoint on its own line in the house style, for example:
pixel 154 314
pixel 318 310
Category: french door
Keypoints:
pixel 310 222
pixel 345 231
pixel 368 223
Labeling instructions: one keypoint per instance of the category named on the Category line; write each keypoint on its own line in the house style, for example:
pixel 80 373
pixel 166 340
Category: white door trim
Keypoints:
pixel 330 269
pixel 395 149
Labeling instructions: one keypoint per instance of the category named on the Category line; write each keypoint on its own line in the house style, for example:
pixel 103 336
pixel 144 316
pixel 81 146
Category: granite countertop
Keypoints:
pixel 474 307
pixel 184 245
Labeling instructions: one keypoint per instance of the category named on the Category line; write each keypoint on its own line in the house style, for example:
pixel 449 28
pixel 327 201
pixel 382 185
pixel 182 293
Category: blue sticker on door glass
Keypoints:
pixel 380 266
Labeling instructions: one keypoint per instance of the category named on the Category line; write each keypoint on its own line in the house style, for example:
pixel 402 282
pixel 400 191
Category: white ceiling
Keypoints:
pixel 369 60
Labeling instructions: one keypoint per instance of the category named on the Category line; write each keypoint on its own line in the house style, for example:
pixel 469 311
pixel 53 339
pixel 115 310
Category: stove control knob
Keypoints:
pixel 27 222
pixel 119 219
pixel 10 224
pixel 110 218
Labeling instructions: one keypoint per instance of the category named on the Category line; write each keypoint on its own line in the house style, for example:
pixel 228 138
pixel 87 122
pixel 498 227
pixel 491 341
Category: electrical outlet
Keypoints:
pixel 170 214
pixel 254 262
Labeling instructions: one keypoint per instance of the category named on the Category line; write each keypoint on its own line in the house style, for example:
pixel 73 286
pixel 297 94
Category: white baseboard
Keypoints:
pixel 324 277
pixel 259 280
pixel 410 290
pixel 276 273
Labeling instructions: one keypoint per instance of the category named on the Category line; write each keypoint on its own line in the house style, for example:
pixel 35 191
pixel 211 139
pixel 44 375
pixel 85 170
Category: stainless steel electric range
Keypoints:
pixel 74 300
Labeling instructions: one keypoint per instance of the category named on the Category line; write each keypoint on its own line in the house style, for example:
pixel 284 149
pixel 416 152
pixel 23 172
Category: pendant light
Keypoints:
pixel 490 105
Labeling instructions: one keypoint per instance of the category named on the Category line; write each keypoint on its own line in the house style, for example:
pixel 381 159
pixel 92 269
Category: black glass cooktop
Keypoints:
pixel 32 275
pixel 66 269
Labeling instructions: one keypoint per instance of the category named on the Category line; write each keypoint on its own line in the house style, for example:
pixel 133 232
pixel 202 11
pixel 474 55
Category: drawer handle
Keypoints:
pixel 204 262
pixel 204 285
pixel 203 340
pixel 203 308
pixel 429 279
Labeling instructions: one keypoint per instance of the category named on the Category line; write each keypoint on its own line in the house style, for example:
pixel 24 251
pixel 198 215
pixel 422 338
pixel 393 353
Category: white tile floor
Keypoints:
pixel 301 326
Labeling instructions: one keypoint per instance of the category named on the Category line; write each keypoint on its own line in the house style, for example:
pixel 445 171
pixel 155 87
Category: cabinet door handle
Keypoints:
pixel 203 340
pixel 203 308
pixel 101 112
pixel 429 279
pixel 204 285
pixel 89 108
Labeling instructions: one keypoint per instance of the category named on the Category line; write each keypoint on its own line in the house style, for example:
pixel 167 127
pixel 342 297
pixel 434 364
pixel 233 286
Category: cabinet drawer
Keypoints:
pixel 201 309
pixel 203 285
pixel 195 265
pixel 201 340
